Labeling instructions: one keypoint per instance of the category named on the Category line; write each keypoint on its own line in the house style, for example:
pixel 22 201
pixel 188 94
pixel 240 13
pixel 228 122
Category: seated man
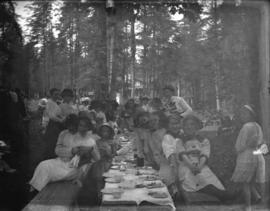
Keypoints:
pixel 174 104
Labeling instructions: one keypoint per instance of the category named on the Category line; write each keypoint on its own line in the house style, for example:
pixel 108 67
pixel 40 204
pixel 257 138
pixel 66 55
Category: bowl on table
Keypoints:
pixel 114 179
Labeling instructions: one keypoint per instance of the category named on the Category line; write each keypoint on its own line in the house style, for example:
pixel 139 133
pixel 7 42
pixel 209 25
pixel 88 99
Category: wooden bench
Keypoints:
pixel 198 198
pixel 55 196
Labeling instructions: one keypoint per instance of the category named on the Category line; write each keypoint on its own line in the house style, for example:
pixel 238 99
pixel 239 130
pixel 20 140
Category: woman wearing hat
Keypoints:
pixel 173 103
pixel 67 107
pixel 250 166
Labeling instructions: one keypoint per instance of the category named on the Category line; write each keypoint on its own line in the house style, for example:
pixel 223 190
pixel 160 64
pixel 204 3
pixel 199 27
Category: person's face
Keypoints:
pixel 68 99
pixel 36 96
pixel 145 102
pixel 85 103
pixel 143 120
pixel 154 122
pixel 244 115
pixel 105 132
pixel 82 127
pixel 72 128
pixel 167 93
pixel 190 127
pixel 174 126
pixel 56 95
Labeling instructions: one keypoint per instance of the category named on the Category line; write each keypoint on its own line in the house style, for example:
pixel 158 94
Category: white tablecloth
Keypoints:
pixel 136 195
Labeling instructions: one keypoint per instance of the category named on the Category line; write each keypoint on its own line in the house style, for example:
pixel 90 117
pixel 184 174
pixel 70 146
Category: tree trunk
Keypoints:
pixel 133 54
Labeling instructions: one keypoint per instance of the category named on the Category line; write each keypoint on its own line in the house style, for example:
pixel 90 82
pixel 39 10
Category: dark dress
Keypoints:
pixel 90 194
pixel 50 138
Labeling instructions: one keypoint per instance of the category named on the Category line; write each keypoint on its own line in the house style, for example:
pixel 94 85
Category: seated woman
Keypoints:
pixel 169 144
pixel 193 152
pixel 153 151
pixel 75 141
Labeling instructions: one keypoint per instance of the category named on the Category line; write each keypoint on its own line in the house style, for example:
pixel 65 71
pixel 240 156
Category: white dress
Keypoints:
pixel 191 182
pixel 59 168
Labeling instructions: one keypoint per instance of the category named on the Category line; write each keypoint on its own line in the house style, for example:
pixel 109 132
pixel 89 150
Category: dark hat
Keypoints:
pixel 67 93
pixel 108 126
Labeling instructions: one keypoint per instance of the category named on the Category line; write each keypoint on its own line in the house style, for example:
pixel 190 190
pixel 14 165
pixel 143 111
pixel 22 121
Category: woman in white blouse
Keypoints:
pixel 71 144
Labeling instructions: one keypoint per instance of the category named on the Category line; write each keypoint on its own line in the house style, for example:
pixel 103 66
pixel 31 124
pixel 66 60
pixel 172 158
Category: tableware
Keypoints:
pixel 149 177
pixel 141 185
pixel 122 168
pixel 111 190
pixel 117 195
pixel 159 195
pixel 148 172
pixel 155 185
pixel 113 180
pixel 110 174
pixel 127 184
pixel 115 167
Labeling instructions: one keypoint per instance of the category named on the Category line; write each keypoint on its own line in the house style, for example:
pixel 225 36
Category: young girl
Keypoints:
pixel 107 151
pixel 194 151
pixel 250 166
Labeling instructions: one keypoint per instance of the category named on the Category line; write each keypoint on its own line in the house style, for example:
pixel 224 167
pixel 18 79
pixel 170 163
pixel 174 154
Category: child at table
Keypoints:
pixel 107 151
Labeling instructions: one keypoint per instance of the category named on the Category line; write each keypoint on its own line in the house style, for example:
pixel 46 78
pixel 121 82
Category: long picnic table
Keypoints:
pixel 128 187
pixel 136 187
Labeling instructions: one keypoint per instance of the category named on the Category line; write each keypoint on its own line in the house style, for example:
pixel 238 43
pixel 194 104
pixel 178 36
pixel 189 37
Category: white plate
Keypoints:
pixel 112 180
pixel 111 190
pixel 112 174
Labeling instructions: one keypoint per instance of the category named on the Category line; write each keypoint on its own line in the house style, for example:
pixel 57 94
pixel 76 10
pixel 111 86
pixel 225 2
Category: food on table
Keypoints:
pixel 141 185
pixel 157 194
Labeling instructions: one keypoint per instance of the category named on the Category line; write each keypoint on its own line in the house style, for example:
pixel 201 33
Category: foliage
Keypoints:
pixel 208 54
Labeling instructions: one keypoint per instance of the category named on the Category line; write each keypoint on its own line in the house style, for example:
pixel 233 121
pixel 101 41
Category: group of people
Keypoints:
pixel 81 143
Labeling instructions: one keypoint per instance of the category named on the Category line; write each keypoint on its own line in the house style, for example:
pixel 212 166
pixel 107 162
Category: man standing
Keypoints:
pixel 173 104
